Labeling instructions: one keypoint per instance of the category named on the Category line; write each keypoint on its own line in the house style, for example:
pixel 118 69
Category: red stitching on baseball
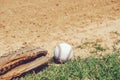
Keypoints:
pixel 69 54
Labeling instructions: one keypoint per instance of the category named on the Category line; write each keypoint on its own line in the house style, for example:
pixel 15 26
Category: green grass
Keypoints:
pixel 106 68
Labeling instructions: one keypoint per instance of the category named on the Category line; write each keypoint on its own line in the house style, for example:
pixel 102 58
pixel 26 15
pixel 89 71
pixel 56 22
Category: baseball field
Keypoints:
pixel 92 27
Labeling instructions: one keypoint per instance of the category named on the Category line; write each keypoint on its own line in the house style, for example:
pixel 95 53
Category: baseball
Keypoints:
pixel 63 52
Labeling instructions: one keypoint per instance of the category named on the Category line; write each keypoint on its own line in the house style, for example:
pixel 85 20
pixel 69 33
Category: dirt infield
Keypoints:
pixel 46 23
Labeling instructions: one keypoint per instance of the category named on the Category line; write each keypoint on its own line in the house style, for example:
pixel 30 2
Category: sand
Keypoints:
pixel 46 23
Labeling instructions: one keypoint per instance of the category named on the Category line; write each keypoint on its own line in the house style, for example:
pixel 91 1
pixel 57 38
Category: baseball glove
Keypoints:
pixel 20 61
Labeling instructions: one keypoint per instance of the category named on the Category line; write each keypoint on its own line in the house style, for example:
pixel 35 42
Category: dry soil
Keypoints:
pixel 46 23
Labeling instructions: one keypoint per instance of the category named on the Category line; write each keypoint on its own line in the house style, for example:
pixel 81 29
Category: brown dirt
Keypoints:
pixel 46 23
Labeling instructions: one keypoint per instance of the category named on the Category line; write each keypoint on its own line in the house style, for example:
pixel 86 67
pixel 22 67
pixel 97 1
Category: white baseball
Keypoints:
pixel 63 52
